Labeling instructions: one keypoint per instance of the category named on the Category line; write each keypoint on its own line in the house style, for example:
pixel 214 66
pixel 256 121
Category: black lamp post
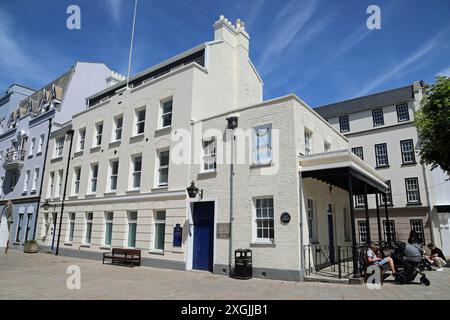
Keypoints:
pixel 193 191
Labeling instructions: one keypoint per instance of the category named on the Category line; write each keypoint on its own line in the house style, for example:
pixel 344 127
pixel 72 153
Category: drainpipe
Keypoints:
pixel 42 177
pixel 232 124
pixel 302 250
pixel 69 132
pixel 427 192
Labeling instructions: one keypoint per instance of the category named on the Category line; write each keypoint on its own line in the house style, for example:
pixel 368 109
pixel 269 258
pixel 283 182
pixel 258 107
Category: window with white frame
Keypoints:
pixel 160 227
pixel 19 227
pixel 163 168
pixel 166 113
pixel 94 177
pixel 360 200
pixel 378 117
pixel 41 143
pixel 381 155
pixel 407 148
pixel 412 190
pixel 362 226
pixel 26 181
pixel 209 156
pixel 71 227
pixel 88 233
pixel 359 152
pixel 35 180
pixel 51 185
pixel 98 134
pixel 262 144
pixel 389 230
pixel 417 226
pixel 311 219
pixel 109 216
pixel 76 180
pixel 32 146
pixel 136 172
pixel 82 139
pixel 132 226
pixel 59 147
pixel 118 124
pixel 402 112
pixel 60 180
pixel 344 123
pixel 388 195
pixel 264 220
pixel 140 121
pixel 308 142
pixel 114 171
pixel 28 226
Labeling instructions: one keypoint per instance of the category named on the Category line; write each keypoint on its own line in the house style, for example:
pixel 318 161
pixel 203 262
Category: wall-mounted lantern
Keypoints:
pixel 193 191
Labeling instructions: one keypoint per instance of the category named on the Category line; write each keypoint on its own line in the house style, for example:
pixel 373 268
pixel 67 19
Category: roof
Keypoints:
pixel 381 99
pixel 148 71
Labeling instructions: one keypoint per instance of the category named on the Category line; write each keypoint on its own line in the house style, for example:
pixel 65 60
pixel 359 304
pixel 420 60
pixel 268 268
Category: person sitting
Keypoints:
pixel 374 258
pixel 437 257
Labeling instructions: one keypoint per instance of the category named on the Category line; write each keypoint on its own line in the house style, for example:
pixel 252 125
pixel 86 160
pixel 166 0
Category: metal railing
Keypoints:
pixel 14 156
pixel 336 262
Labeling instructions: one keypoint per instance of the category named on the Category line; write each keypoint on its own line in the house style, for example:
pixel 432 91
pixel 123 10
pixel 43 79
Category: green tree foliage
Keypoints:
pixel 433 125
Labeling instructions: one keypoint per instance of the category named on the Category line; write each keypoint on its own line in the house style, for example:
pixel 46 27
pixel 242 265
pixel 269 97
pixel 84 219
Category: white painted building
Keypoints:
pixel 136 150
pixel 381 131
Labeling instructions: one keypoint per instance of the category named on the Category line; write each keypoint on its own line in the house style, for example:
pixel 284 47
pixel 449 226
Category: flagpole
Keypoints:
pixel 131 44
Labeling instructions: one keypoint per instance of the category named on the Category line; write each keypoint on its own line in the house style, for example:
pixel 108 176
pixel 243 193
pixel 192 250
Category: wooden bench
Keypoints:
pixel 129 257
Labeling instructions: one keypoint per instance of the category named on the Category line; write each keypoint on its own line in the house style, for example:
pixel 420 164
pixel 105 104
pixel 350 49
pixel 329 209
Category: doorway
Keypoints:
pixel 331 232
pixel 203 242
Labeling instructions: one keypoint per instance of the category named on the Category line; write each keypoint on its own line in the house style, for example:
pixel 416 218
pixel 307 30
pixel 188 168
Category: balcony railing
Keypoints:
pixel 14 160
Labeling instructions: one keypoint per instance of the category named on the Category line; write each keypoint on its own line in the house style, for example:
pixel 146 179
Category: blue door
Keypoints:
pixel 203 236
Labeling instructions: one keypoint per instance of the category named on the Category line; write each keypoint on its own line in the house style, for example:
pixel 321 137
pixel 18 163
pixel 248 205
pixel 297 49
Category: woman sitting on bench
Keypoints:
pixel 374 258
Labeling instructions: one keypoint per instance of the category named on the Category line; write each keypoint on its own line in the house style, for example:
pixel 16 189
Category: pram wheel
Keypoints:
pixel 400 278
pixel 424 281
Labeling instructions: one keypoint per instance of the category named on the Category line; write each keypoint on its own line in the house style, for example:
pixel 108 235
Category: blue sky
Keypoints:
pixel 319 49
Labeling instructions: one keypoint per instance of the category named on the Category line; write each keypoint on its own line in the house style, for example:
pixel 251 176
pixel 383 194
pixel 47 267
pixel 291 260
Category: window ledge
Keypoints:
pixel 33 191
pixel 262 245
pixel 115 144
pixel 95 149
pixel 382 167
pixel 105 247
pixel 90 195
pixel 68 244
pixel 135 191
pixel 78 153
pixel 30 156
pixel 416 204
pixel 111 193
pixel 57 159
pixel 75 196
pixel 38 153
pixel 137 138
pixel 207 174
pixel 163 131
pixel 409 164
pixel 260 165
pixel 24 193
pixel 85 246
pixel 156 252
pixel 56 199
pixel 160 189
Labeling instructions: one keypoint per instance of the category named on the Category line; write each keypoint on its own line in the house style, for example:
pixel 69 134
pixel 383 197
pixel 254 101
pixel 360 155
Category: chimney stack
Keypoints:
pixel 233 34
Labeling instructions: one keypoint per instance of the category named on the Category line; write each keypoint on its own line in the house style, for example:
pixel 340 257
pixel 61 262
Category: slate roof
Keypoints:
pixel 381 99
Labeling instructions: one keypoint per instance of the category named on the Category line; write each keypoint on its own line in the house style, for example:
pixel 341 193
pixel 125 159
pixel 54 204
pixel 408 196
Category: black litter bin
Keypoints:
pixel 243 264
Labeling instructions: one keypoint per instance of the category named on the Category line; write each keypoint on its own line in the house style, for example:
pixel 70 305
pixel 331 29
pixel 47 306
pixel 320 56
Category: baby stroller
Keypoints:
pixel 409 267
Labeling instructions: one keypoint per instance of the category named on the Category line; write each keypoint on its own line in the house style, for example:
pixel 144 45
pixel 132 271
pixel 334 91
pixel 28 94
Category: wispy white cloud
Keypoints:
pixel 286 27
pixel 13 59
pixel 254 12
pixel 406 63
pixel 115 8
pixel 444 72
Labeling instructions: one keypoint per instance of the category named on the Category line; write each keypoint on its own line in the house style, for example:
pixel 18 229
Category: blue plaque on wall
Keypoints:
pixel 177 235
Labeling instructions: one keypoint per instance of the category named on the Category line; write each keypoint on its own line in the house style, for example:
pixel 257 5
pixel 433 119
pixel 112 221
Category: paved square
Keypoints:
pixel 43 276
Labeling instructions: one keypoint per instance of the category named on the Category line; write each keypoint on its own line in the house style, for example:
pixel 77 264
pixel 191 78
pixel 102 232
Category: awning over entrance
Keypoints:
pixel 335 168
